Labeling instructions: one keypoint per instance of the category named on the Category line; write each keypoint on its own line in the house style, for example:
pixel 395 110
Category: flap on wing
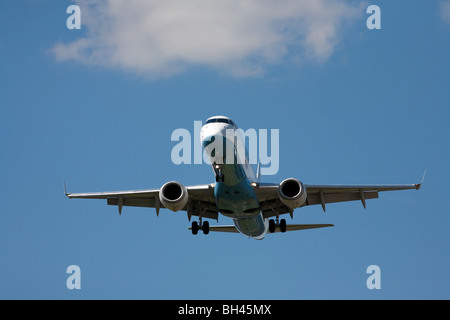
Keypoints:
pixel 339 197
pixel 134 202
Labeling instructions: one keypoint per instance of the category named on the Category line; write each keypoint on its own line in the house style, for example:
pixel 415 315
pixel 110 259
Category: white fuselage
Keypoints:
pixel 233 192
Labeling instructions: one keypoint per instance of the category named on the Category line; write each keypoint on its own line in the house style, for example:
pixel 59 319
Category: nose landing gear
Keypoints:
pixel 219 173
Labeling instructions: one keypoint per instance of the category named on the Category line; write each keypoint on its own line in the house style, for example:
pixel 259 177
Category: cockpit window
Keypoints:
pixel 222 120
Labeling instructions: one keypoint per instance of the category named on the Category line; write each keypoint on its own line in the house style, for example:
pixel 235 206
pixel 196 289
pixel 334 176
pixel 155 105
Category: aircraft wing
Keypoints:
pixel 323 194
pixel 201 199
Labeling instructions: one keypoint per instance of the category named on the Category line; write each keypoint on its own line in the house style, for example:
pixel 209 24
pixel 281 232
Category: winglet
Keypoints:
pixel 418 185
pixel 65 192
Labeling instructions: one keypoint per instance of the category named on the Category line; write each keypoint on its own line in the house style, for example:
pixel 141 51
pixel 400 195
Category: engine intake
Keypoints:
pixel 292 193
pixel 173 195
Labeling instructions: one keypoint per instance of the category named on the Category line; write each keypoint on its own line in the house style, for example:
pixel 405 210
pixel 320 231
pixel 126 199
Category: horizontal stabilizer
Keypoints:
pixel 295 227
pixel 289 227
pixel 231 229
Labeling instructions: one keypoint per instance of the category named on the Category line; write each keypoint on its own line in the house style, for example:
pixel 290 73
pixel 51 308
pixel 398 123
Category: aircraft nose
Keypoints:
pixel 214 129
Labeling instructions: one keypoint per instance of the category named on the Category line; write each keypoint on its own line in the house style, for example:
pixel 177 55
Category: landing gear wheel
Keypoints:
pixel 271 226
pixel 282 225
pixel 194 228
pixel 205 227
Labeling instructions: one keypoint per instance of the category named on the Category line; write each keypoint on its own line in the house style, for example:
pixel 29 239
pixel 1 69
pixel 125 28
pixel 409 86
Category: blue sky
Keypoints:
pixel 353 106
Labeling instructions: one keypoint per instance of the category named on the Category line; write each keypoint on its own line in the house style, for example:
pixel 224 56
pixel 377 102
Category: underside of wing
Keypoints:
pixel 200 199
pixel 145 194
pixel 322 194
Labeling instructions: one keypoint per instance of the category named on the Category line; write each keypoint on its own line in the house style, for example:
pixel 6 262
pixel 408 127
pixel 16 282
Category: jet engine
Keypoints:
pixel 173 195
pixel 292 193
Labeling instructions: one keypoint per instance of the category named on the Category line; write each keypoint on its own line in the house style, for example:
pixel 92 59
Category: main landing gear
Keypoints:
pixel 200 226
pixel 275 224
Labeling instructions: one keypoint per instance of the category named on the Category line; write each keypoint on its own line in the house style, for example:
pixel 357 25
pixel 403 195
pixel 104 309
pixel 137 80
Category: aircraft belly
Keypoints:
pixel 237 200
pixel 254 227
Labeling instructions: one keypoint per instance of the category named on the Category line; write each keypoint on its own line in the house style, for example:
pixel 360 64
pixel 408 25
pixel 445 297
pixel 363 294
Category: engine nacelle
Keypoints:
pixel 173 195
pixel 292 193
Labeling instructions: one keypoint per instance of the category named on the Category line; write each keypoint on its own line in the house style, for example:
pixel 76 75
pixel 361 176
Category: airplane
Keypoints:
pixel 253 206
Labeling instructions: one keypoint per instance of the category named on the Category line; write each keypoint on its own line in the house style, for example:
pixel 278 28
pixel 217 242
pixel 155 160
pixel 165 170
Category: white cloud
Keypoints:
pixel 445 10
pixel 239 37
